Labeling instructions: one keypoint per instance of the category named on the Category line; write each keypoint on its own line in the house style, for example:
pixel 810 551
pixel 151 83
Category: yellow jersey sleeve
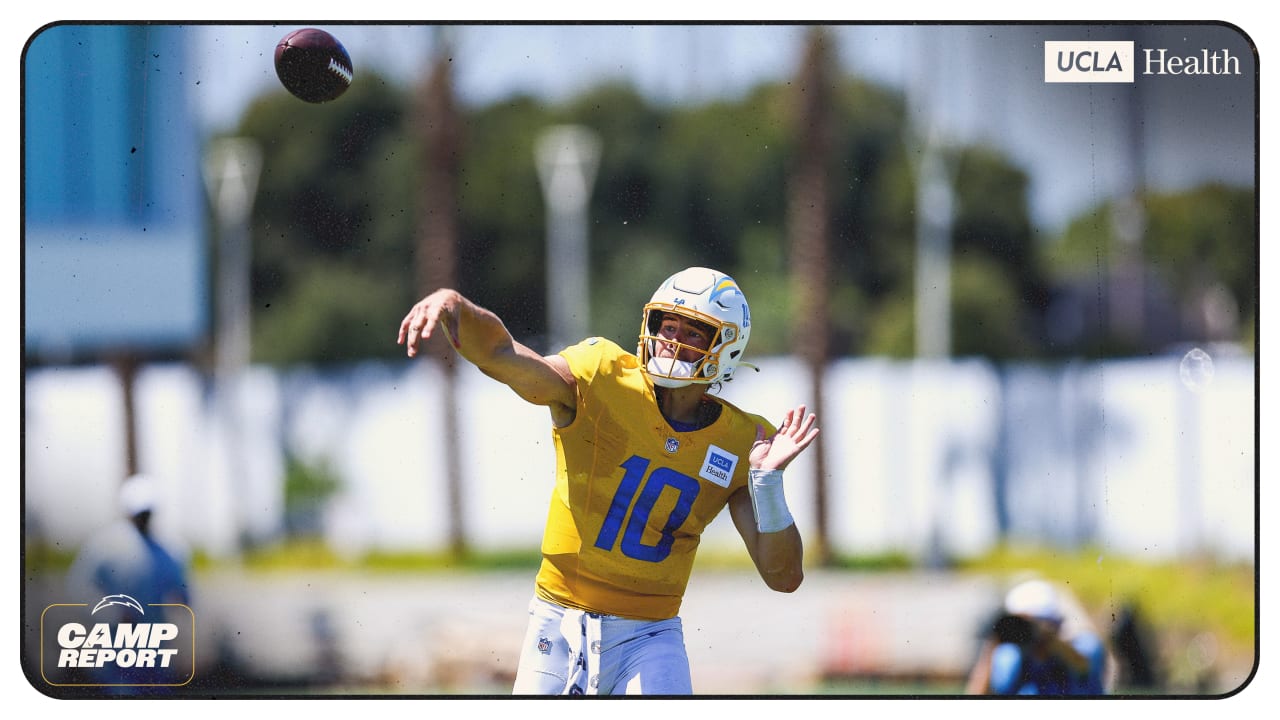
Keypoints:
pixel 632 495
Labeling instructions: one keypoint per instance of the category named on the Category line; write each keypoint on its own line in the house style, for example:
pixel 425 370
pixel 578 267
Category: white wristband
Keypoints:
pixel 768 500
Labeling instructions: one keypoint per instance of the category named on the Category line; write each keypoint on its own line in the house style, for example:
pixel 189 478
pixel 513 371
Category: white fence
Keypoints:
pixel 929 459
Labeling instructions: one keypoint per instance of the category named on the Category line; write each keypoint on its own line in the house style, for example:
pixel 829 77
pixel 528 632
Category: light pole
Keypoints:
pixel 935 199
pixel 934 205
pixel 568 157
pixel 231 175
pixel 231 171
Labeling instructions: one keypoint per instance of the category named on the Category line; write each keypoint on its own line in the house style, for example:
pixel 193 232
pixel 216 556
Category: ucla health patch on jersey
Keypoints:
pixel 718 466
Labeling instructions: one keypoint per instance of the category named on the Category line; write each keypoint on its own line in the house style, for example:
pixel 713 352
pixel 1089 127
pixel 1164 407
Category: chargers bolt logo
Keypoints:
pixel 123 600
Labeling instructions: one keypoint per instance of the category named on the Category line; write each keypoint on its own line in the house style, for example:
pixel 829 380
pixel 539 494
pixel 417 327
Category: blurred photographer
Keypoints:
pixel 1029 652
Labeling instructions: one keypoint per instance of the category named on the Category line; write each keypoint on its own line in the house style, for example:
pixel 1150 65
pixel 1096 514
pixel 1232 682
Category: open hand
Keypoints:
pixel 795 434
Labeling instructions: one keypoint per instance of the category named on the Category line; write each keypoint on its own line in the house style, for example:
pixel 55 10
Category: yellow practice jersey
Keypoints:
pixel 633 495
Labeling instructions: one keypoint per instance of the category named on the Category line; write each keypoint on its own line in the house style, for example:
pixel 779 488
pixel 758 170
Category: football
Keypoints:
pixel 313 65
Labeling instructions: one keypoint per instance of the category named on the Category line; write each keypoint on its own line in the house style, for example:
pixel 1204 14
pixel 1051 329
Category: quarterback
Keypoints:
pixel 646 457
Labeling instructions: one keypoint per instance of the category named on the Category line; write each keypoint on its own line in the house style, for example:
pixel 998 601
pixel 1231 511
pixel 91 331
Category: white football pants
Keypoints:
pixel 571 652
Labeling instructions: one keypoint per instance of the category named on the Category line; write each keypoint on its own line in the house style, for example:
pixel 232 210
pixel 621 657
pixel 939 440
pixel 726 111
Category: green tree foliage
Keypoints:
pixel 335 224
pixel 998 292
pixel 684 188
pixel 307 487
pixel 1206 238
pixel 873 231
pixel 1200 251
pixel 332 224
pixel 502 224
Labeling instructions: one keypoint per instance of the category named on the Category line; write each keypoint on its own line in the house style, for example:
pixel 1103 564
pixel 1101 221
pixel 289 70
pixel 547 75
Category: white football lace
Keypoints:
pixel 342 72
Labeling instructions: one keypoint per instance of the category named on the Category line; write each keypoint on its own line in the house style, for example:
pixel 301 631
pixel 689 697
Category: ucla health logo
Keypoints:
pixel 718 466
pixel 117 642
pixel 1118 62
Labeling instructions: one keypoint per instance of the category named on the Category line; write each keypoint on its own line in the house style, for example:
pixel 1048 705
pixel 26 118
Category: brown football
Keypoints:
pixel 313 65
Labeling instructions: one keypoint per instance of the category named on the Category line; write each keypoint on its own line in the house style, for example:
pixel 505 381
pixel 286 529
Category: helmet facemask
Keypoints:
pixel 663 357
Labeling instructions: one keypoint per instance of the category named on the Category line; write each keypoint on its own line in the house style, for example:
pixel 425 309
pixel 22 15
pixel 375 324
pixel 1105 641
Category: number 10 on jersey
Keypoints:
pixel 638 479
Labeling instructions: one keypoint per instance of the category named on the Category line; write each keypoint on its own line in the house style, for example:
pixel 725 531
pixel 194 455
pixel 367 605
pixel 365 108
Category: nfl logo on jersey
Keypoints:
pixel 672 445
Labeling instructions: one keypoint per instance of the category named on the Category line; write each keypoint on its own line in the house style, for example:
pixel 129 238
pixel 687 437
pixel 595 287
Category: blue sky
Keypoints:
pixel 498 59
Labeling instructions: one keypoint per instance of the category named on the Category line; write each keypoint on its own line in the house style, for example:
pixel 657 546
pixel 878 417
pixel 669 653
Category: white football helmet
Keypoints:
pixel 709 297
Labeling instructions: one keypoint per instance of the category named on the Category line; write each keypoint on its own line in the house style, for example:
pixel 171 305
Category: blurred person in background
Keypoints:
pixel 126 558
pixel 646 458
pixel 1030 650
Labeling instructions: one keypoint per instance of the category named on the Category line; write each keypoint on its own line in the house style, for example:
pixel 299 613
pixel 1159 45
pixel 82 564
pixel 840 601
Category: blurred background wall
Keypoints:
pixel 936 462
